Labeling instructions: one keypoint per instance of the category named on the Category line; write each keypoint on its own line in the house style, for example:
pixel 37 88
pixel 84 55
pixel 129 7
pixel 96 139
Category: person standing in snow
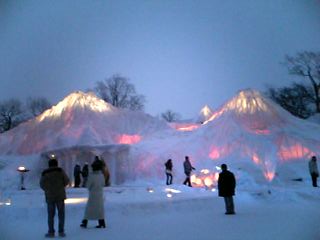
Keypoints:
pixel 95 205
pixel 85 174
pixel 169 166
pixel 76 174
pixel 226 187
pixel 53 181
pixel 187 170
pixel 105 171
pixel 313 169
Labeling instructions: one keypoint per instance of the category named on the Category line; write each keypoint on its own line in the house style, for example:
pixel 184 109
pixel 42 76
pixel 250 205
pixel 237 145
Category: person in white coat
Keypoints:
pixel 95 205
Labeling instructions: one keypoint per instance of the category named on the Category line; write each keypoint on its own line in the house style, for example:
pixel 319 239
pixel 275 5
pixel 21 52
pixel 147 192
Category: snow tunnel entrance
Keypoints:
pixel 115 157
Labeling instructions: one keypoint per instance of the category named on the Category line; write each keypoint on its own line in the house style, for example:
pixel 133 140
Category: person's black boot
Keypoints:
pixel 84 223
pixel 102 224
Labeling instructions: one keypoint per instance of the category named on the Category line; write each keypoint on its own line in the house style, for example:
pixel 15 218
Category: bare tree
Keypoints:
pixel 117 91
pixel 307 65
pixel 170 116
pixel 37 105
pixel 296 99
pixel 10 113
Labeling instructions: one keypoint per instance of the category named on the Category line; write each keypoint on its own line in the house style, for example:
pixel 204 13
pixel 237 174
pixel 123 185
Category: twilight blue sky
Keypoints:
pixel 181 54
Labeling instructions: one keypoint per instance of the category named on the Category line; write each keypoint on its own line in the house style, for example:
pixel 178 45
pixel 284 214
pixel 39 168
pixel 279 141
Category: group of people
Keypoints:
pixel 77 173
pixel 226 181
pixel 54 181
pixel 187 170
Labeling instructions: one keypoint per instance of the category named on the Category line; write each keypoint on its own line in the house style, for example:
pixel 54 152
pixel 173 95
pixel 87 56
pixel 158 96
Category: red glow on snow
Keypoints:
pixel 129 139
pixel 189 127
pixel 269 176
pixel 256 159
pixel 295 151
pixel 214 153
pixel 205 179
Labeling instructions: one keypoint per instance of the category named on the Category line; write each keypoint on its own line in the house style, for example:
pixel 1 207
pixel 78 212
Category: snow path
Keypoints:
pixel 136 214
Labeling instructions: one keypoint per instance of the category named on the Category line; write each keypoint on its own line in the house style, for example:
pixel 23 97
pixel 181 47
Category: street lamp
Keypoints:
pixel 22 171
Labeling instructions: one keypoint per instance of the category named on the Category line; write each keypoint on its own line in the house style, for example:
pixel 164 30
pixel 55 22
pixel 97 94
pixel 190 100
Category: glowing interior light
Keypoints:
pixel 206 111
pixel 79 100
pixel 269 176
pixel 21 168
pixel 216 177
pixel 75 200
pixel 171 190
pixel 208 181
pixel 128 139
pixel 188 128
pixel 193 178
pixel 169 195
pixel 295 151
pixel 256 158
pixel 205 171
pixel 8 202
pixel 214 154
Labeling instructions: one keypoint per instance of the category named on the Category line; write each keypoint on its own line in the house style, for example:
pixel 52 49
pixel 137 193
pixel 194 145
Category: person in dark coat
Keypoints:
pixel 169 166
pixel 85 174
pixel 187 170
pixel 314 172
pixel 226 187
pixel 53 181
pixel 76 174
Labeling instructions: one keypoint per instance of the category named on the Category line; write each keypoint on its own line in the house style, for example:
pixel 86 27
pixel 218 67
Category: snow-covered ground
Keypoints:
pixel 271 211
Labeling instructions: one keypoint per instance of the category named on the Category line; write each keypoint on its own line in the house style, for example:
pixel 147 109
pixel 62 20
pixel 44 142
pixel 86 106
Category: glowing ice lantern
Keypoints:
pixel 169 195
pixel 208 182
pixel 150 190
pixel 75 200
pixel 205 171
pixel 8 202
pixel 22 171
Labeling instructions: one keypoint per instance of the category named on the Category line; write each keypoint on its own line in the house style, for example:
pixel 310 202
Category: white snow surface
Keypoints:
pixel 279 212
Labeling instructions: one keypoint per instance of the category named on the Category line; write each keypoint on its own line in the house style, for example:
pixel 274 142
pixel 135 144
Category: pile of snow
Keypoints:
pixel 79 119
pixel 258 140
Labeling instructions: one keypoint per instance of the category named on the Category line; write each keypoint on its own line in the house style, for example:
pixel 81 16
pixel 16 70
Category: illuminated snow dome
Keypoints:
pixel 252 127
pixel 251 133
pixel 79 119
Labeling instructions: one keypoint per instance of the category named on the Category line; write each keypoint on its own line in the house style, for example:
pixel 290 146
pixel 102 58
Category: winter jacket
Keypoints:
pixel 77 171
pixel 313 167
pixel 168 166
pixel 53 181
pixel 85 171
pixel 187 167
pixel 226 184
pixel 95 205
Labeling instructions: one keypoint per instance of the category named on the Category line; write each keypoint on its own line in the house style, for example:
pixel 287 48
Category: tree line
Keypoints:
pixel 300 99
